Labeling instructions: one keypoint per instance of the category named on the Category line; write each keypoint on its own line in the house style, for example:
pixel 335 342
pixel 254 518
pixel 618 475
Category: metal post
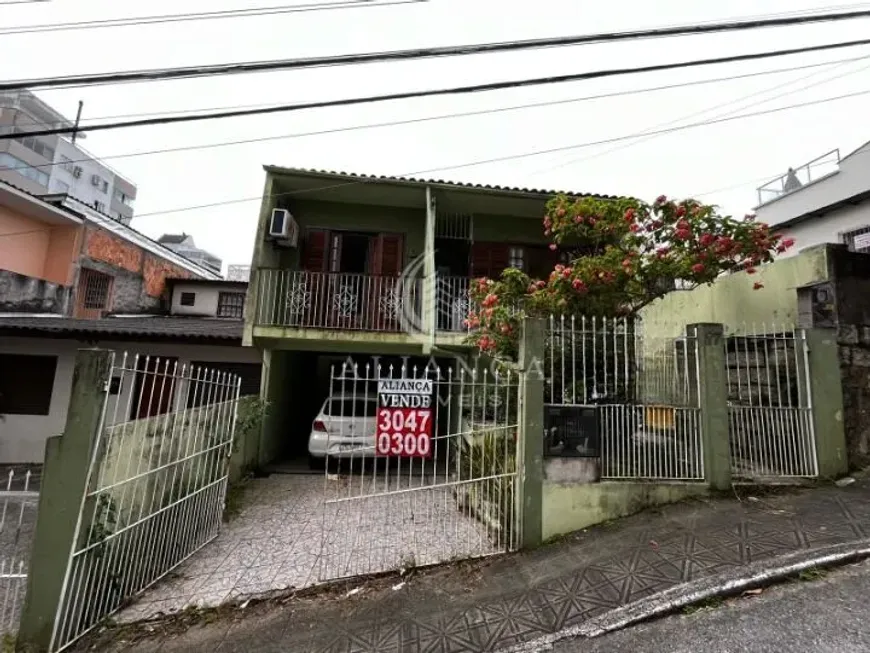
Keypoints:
pixel 64 483
pixel 78 120
pixel 429 280
pixel 826 394
pixel 530 446
pixel 713 402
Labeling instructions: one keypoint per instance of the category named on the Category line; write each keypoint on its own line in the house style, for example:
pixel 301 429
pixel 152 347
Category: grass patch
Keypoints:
pixel 810 575
pixel 710 603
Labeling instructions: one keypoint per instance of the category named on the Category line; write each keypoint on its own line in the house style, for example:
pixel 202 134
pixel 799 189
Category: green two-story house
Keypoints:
pixel 359 266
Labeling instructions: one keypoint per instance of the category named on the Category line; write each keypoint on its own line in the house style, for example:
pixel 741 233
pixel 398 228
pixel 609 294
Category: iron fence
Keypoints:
pixel 770 404
pixel 155 487
pixel 441 486
pixel 644 390
pixel 20 497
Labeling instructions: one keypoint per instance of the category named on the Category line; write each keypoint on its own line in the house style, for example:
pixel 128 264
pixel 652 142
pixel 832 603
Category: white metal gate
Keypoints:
pixel 644 389
pixel 396 497
pixel 19 491
pixel 156 485
pixel 770 405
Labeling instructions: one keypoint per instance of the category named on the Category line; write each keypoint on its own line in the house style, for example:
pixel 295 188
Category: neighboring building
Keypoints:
pixel 52 164
pixel 238 273
pixel 184 245
pixel 824 201
pixel 59 256
pixel 373 266
pixel 42 350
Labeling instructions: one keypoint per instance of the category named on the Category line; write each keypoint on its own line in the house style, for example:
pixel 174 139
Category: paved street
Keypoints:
pixel 823 616
pixel 494 604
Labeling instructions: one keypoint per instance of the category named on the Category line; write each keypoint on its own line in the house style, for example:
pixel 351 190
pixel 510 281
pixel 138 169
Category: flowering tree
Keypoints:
pixel 618 256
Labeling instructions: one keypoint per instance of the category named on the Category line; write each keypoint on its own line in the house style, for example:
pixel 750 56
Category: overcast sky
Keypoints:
pixel 730 159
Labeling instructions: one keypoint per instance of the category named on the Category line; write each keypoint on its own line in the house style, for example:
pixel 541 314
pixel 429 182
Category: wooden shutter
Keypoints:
pixel 388 255
pixel 489 259
pixel 315 251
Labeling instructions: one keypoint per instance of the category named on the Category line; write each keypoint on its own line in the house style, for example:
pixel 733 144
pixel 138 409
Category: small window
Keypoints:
pixel 858 240
pixel 28 391
pixel 188 299
pixel 517 258
pixel 96 288
pixel 231 304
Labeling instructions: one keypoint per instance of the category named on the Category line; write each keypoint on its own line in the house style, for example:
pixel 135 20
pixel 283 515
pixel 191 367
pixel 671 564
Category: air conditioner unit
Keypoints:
pixel 283 227
pixel 77 172
pixel 95 180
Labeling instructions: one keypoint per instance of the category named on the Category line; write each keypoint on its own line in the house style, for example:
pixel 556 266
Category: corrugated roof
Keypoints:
pixel 183 328
pixel 365 178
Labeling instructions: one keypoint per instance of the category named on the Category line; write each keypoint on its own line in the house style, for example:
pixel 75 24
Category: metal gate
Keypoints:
pixel 155 489
pixel 770 405
pixel 421 467
pixel 643 391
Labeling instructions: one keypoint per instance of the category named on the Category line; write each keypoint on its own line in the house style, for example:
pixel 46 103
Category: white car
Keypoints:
pixel 344 428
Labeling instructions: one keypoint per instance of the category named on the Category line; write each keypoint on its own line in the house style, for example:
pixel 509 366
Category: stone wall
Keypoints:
pixel 23 294
pixel 854 345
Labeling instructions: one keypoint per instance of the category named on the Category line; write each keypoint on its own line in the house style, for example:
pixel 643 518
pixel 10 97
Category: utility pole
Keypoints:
pixel 78 119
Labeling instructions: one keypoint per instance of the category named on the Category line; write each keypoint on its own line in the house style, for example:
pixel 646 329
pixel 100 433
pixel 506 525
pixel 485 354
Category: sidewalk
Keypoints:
pixel 493 604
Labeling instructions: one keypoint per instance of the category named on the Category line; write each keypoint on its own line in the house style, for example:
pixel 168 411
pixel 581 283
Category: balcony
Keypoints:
pixel 291 299
pixel 797 178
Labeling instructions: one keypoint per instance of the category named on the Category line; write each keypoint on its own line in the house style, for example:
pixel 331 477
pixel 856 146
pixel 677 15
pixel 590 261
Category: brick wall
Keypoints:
pixel 139 277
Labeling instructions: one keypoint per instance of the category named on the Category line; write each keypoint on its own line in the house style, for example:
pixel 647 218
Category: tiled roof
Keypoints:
pixel 182 328
pixel 363 178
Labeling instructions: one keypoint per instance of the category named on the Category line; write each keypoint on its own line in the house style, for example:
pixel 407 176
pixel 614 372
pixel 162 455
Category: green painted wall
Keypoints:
pixel 732 301
pixel 569 507
pixel 508 229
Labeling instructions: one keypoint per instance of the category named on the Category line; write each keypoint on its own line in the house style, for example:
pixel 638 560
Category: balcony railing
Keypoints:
pixel 799 177
pixel 324 300
pixel 357 302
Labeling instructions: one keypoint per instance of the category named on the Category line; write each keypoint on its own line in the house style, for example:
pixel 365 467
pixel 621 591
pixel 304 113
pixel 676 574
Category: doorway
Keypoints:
pixel 452 265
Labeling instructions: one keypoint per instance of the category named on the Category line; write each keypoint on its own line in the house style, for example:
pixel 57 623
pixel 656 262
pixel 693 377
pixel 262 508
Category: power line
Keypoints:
pixel 423 119
pixel 187 72
pixel 169 112
pixel 206 15
pixel 740 100
pixel 513 157
pixel 21 2
pixel 455 90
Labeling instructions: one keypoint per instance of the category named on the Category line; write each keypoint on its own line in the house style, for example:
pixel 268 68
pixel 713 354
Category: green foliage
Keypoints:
pixel 619 255
pixel 489 454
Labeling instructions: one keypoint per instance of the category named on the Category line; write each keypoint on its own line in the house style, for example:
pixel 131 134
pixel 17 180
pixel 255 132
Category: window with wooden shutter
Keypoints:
pixel 489 259
pixel 314 253
pixel 389 253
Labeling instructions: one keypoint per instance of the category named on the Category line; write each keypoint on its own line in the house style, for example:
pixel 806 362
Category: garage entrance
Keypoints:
pixel 420 466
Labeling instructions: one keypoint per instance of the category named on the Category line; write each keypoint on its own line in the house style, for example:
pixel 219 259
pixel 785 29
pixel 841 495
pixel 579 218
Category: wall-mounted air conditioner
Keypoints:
pixel 95 180
pixel 77 172
pixel 283 227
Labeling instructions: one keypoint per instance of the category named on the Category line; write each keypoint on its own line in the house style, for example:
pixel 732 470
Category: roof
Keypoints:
pixel 141 327
pixel 34 206
pixel 226 283
pixel 418 181
pixel 172 239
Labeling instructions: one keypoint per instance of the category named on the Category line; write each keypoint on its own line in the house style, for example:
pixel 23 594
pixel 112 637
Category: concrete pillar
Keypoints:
pixel 713 402
pixel 64 485
pixel 530 439
pixel 826 399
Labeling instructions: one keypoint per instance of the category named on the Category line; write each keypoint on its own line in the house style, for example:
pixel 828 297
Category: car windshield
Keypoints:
pixel 350 407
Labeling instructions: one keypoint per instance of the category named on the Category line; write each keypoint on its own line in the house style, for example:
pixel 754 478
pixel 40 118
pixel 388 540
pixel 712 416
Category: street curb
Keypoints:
pixel 754 575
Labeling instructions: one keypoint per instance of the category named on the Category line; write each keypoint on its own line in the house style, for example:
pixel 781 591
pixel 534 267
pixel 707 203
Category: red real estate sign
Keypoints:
pixel 404 418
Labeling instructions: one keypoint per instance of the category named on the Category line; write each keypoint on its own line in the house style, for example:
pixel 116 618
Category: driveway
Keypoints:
pixel 295 530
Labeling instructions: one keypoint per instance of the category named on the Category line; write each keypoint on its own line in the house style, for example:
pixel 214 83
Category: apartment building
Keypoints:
pixel 54 164
pixel 183 244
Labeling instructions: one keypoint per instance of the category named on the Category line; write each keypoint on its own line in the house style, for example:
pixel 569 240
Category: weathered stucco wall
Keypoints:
pixel 733 302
